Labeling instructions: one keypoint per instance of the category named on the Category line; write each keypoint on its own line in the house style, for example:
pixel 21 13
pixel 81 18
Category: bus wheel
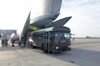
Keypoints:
pixel 43 49
pixel 33 46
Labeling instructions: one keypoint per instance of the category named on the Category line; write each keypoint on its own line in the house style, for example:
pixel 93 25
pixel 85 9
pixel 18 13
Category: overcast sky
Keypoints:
pixel 85 15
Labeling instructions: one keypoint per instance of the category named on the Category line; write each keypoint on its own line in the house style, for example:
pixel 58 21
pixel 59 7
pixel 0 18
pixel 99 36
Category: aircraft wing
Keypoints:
pixel 43 20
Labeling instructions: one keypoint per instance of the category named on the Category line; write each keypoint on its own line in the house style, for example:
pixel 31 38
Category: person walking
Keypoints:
pixel 3 42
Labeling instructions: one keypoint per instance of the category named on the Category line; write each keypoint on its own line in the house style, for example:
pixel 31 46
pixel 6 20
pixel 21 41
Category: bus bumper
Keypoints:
pixel 62 49
pixel 68 49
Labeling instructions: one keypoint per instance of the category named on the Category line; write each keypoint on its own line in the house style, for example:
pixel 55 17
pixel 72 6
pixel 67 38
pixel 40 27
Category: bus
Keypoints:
pixel 54 39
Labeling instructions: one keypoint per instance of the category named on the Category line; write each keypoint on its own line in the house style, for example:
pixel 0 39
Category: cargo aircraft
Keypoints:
pixel 49 11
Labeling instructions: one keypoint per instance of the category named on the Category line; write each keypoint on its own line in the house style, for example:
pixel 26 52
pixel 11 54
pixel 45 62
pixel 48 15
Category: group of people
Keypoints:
pixel 4 42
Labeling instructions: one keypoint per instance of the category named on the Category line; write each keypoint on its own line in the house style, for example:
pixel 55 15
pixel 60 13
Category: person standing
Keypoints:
pixel 12 41
pixel 25 38
pixel 24 41
pixel 3 42
pixel 6 42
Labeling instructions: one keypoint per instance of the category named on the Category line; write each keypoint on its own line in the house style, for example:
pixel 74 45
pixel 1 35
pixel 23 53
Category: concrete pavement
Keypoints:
pixel 85 52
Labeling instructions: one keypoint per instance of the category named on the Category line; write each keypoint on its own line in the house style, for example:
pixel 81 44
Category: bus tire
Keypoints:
pixel 45 51
pixel 33 46
pixel 42 47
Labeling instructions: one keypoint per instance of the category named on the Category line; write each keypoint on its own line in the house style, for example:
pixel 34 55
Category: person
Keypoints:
pixel 6 42
pixel 73 39
pixel 3 42
pixel 24 41
pixel 12 41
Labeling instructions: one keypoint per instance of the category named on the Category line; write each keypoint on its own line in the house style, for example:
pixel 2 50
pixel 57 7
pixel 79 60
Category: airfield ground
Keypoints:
pixel 85 52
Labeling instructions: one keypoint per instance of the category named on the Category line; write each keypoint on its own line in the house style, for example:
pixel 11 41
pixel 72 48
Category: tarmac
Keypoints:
pixel 85 52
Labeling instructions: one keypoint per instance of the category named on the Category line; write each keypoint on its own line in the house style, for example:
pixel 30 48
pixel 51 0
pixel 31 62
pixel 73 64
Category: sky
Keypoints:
pixel 85 14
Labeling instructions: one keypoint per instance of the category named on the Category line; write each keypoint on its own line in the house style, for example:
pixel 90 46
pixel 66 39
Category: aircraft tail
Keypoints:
pixel 50 7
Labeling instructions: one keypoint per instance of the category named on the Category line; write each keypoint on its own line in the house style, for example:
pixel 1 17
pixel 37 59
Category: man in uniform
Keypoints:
pixel 12 41
pixel 3 42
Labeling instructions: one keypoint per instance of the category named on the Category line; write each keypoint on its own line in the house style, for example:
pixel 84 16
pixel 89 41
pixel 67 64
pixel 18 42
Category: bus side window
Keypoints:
pixel 36 35
pixel 39 35
pixel 42 35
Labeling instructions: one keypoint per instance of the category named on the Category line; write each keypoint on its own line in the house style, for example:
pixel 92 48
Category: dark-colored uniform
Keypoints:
pixel 3 42
pixel 24 41
pixel 6 42
pixel 12 41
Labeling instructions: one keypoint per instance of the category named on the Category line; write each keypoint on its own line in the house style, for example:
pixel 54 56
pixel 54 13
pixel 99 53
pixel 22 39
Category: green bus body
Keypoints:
pixel 54 39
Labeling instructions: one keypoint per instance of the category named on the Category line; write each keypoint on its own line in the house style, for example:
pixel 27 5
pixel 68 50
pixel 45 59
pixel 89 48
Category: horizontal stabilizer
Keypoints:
pixel 59 22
